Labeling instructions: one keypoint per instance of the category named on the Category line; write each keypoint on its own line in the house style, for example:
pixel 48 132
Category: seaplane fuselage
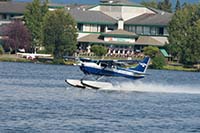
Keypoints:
pixel 102 69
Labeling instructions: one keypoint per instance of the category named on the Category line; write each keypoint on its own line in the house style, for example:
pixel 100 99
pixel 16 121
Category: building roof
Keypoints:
pixel 119 2
pixel 56 5
pixel 142 40
pixel 152 40
pixel 119 33
pixel 77 6
pixel 95 38
pixel 164 53
pixel 91 38
pixel 158 10
pixel 151 19
pixel 13 7
pixel 96 17
pixel 69 6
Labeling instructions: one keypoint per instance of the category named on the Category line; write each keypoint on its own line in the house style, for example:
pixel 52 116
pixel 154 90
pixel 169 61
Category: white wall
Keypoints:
pixel 120 24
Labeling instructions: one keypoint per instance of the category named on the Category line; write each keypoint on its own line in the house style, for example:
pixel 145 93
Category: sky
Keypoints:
pixel 97 1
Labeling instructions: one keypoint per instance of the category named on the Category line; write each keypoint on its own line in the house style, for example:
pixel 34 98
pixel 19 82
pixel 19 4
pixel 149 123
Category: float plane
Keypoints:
pixel 103 68
pixel 32 56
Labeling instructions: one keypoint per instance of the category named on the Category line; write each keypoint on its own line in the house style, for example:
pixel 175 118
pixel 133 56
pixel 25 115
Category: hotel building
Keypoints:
pixel 124 27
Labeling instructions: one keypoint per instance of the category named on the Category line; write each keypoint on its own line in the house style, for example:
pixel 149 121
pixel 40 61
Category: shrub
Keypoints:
pixel 58 61
pixel 1 50
pixel 158 62
pixel 151 51
pixel 99 50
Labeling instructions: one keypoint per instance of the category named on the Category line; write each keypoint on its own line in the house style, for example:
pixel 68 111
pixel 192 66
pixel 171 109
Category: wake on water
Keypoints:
pixel 139 86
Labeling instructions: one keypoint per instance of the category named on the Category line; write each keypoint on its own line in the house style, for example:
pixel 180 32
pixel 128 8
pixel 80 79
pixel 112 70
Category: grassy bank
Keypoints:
pixel 179 68
pixel 12 58
pixel 15 58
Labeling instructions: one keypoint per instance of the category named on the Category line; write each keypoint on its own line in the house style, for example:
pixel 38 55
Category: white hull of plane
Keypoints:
pixel 75 83
pixel 89 84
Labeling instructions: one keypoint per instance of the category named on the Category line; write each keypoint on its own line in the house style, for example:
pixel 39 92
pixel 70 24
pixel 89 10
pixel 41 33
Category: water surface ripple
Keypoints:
pixel 35 98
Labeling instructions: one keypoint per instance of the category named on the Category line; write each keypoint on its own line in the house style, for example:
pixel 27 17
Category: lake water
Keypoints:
pixel 35 98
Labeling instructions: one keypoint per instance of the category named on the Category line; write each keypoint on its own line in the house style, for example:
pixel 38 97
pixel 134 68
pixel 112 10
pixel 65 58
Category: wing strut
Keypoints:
pixel 99 77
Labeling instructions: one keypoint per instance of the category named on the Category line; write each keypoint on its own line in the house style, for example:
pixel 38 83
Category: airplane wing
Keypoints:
pixel 110 63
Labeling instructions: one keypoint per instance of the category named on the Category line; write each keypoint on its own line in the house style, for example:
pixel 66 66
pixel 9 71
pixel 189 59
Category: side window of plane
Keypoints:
pixel 103 65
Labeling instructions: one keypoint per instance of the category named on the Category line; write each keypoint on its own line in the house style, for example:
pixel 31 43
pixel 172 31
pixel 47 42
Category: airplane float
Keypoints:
pixel 104 68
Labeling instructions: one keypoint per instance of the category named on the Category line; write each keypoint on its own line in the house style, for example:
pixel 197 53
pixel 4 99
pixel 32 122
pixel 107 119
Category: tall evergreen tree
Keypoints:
pixel 191 52
pixel 165 6
pixel 34 20
pixel 151 3
pixel 178 5
pixel 184 34
pixel 60 37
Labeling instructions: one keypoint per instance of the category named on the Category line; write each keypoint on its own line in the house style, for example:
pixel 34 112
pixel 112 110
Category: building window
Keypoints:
pixel 147 30
pixel 80 27
pixel 153 30
pixel 161 31
pixel 86 28
pixel 102 28
pixel 130 28
pixel 139 30
pixel 4 16
pixel 94 28
pixel 126 28
pixel 12 16
pixel 89 28
pixel 133 29
pixel 111 27
pixel 165 31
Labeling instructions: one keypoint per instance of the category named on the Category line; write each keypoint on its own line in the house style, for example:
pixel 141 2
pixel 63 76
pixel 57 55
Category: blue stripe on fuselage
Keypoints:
pixel 104 72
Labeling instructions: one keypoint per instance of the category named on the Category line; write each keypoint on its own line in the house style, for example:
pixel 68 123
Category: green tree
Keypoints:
pixel 178 31
pixel 191 53
pixel 178 5
pixel 151 3
pixel 165 5
pixel 158 62
pixel 99 50
pixel 184 34
pixel 60 37
pixel 34 19
pixel 1 50
pixel 4 0
pixel 151 51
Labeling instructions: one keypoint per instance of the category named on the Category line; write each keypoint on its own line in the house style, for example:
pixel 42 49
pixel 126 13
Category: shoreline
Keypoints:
pixel 15 58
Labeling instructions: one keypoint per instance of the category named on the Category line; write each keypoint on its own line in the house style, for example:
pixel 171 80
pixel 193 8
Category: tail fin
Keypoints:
pixel 142 66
